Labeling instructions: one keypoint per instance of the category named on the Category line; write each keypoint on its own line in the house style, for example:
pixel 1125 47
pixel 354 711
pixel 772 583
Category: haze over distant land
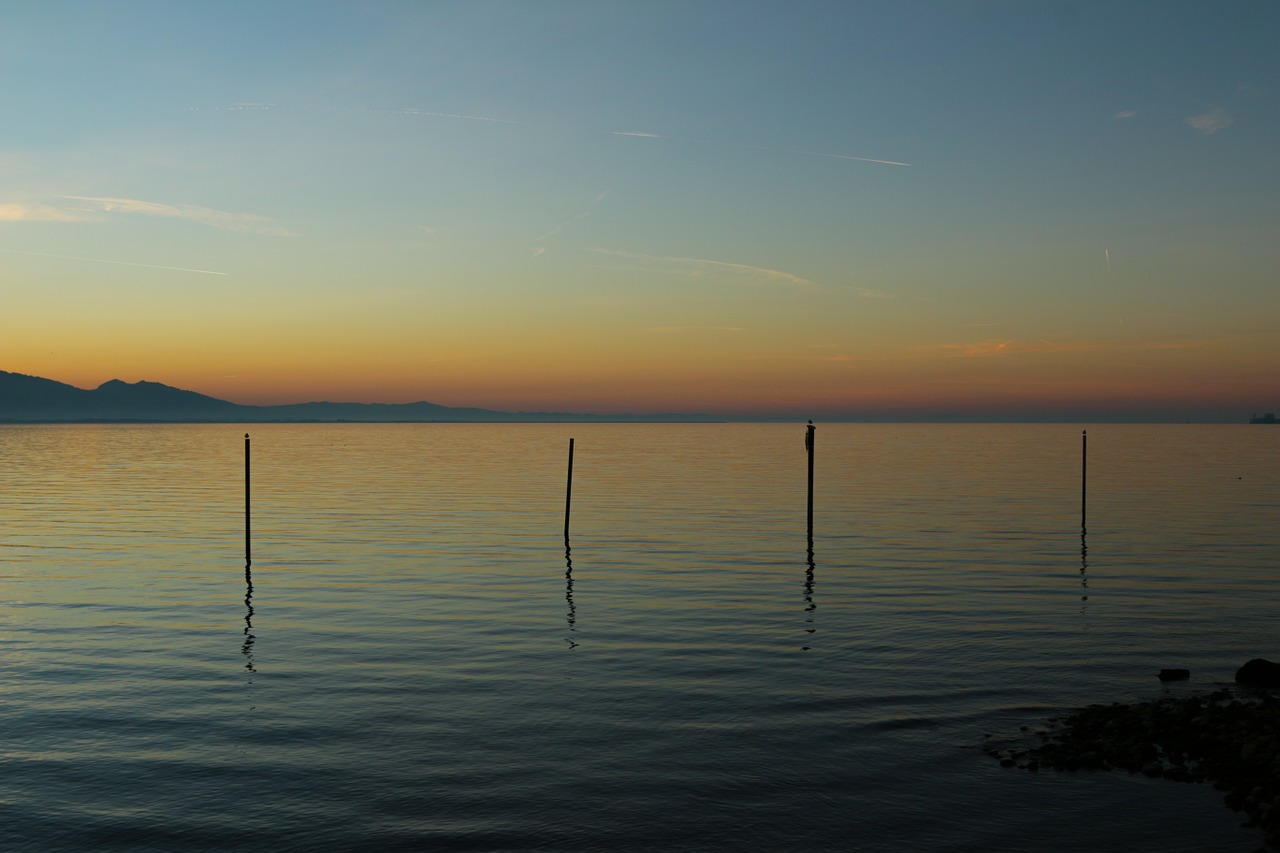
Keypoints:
pixel 31 399
pixel 894 210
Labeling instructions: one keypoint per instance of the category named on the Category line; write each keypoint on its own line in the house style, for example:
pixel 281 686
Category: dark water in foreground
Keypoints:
pixel 413 664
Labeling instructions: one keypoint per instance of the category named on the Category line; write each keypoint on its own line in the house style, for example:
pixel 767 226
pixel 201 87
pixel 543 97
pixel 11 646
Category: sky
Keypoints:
pixel 845 210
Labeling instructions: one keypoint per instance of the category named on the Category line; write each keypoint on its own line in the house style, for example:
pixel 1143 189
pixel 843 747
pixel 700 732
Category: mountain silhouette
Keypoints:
pixel 20 394
pixel 151 400
pixel 32 399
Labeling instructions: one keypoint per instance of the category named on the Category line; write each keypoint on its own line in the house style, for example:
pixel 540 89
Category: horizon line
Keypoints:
pixel 878 415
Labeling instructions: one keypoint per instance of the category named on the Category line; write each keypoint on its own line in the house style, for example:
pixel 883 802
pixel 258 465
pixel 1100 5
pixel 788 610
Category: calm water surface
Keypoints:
pixel 414 662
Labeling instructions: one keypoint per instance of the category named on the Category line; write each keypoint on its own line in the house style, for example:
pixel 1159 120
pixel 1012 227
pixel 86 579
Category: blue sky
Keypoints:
pixel 881 209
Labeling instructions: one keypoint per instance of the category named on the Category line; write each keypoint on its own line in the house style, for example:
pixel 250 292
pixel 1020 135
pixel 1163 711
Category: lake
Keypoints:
pixel 414 660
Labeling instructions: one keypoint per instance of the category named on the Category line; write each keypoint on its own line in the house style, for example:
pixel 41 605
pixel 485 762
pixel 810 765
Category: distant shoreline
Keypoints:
pixel 199 422
pixel 624 419
pixel 34 400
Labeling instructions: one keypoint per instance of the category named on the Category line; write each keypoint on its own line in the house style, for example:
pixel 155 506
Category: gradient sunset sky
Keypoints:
pixel 1059 211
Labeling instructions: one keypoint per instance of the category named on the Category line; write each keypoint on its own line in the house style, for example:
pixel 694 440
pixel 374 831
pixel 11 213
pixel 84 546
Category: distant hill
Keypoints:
pixel 31 399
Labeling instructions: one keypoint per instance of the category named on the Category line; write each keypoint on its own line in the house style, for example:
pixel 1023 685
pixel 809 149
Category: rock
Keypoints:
pixel 1175 674
pixel 1231 742
pixel 1259 672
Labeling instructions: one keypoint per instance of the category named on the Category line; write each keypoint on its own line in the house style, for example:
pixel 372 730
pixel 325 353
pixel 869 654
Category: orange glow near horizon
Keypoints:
pixel 356 211
pixel 915 381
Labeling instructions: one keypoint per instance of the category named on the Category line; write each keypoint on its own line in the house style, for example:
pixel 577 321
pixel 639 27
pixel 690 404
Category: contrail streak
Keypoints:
pixel 849 157
pixel 795 152
pixel 1107 252
pixel 414 111
pixel 410 111
pixel 105 261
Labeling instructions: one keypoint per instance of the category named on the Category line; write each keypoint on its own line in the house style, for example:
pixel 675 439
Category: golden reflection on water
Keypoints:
pixel 418 618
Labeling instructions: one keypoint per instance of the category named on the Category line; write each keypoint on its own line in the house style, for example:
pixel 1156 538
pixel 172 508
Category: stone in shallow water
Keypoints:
pixel 1228 740
pixel 1175 674
pixel 1259 672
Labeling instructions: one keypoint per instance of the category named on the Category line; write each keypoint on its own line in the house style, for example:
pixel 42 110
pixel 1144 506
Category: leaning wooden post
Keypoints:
pixel 568 494
pixel 1084 467
pixel 808 446
pixel 246 501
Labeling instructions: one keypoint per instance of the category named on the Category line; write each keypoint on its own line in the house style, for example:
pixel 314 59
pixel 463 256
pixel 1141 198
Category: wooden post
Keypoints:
pixel 246 502
pixel 1084 467
pixel 568 494
pixel 808 445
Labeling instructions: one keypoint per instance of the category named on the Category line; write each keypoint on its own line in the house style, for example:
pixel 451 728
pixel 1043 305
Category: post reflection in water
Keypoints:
pixel 247 648
pixel 1084 566
pixel 571 617
pixel 809 606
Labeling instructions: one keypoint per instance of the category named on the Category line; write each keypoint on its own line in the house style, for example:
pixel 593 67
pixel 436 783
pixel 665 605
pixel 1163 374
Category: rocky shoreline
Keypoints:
pixel 1229 737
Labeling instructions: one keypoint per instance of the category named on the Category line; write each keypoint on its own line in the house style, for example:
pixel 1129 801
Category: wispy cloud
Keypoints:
pixel 255 106
pixel 19 212
pixel 704 266
pixel 245 223
pixel 640 134
pixel 542 238
pixel 236 107
pixel 1011 347
pixel 559 228
pixel 1123 114
pixel 846 157
pixel 698 329
pixel 410 111
pixel 985 348
pixel 1212 121
pixel 746 146
pixel 109 261
pixel 836 357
